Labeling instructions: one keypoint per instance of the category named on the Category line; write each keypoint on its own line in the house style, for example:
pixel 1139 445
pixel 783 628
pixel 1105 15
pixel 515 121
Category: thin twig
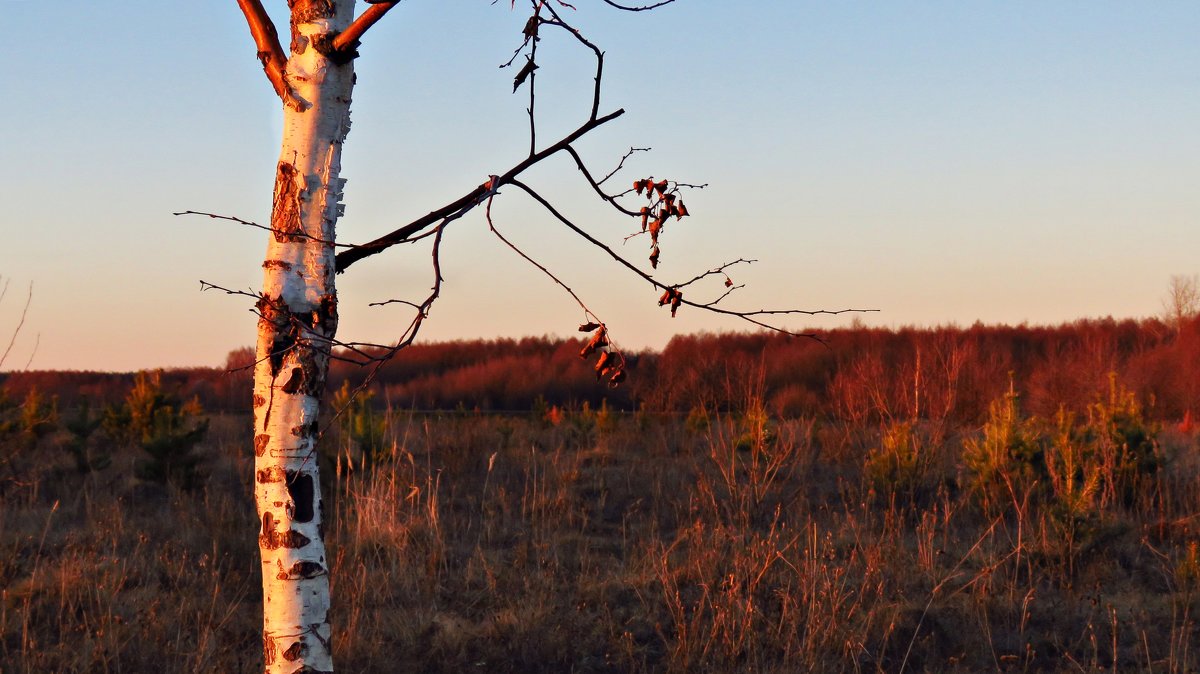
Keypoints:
pixel 492 226
pixel 299 235
pixel 639 8
pixel 621 164
pixel 20 324
pixel 37 341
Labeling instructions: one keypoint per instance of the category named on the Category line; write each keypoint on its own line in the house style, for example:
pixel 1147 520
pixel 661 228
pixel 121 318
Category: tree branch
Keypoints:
pixel 461 206
pixel 20 324
pixel 347 41
pixel 612 199
pixel 270 51
pixel 748 316
pixel 640 8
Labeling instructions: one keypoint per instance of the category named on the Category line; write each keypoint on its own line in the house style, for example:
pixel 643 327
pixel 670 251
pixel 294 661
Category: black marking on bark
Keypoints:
pixel 295 651
pixel 275 321
pixel 325 318
pixel 300 488
pixel 305 430
pixel 259 401
pixel 302 570
pixel 324 45
pixel 285 211
pixel 272 474
pixel 260 443
pixel 277 264
pixel 273 540
pixel 268 526
pixel 314 630
pixel 294 381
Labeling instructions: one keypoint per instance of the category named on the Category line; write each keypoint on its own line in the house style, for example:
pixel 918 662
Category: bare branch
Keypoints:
pixel 748 316
pixel 248 223
pixel 492 226
pixel 20 323
pixel 348 40
pixel 587 175
pixel 611 362
pixel 727 293
pixel 270 51
pixel 716 270
pixel 37 341
pixel 464 204
pixel 206 286
pixel 558 21
pixel 621 164
pixel 637 8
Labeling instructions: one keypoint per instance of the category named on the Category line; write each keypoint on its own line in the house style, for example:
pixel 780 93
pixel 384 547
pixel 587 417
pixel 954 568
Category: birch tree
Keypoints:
pixel 298 305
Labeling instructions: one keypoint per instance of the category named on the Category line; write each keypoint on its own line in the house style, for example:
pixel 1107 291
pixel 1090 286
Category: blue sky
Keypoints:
pixel 944 162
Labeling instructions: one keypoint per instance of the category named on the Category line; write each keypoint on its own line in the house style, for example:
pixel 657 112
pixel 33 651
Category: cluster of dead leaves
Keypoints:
pixel 672 296
pixel 611 364
pixel 663 205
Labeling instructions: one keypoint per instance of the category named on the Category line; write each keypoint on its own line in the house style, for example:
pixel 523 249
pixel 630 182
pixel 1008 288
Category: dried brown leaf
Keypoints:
pixel 524 73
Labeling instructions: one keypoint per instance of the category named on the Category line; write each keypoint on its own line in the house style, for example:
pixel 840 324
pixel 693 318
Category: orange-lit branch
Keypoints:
pixel 270 51
pixel 467 201
pixel 348 39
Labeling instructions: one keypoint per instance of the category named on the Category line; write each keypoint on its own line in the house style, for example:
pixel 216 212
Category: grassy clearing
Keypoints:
pixel 591 541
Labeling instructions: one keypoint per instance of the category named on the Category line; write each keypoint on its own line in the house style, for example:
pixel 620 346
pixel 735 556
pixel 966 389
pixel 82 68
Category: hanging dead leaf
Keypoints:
pixel 654 258
pixel 603 364
pixel 531 27
pixel 655 228
pixel 680 210
pixel 639 185
pixel 525 72
pixel 588 327
pixel 675 302
pixel 666 297
pixel 645 216
pixel 599 339
pixel 728 282
pixel 661 186
pixel 617 378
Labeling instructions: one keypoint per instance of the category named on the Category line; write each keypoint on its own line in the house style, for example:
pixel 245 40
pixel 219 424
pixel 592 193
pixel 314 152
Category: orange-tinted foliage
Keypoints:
pixel 943 373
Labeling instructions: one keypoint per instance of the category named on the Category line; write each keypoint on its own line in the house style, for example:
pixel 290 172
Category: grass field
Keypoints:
pixel 590 541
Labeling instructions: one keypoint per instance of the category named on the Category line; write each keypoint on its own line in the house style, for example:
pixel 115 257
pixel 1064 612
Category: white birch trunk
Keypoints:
pixel 298 313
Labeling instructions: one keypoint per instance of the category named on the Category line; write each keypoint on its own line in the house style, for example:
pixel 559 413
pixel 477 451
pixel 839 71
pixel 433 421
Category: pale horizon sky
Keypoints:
pixel 944 162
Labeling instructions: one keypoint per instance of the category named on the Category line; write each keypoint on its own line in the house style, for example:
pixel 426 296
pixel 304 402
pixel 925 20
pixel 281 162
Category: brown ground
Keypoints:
pixel 633 543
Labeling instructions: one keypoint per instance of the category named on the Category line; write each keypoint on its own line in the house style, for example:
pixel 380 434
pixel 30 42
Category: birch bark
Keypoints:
pixel 298 317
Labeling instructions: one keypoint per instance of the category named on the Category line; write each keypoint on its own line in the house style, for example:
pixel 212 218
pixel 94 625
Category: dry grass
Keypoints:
pixel 626 544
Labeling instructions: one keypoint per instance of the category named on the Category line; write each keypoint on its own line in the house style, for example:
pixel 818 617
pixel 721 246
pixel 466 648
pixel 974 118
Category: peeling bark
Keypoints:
pixel 297 319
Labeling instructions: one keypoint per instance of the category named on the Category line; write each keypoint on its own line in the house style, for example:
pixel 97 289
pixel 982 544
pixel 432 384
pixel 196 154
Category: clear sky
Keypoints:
pixel 944 162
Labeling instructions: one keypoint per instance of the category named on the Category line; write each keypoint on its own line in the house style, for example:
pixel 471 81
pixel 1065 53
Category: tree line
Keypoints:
pixel 857 374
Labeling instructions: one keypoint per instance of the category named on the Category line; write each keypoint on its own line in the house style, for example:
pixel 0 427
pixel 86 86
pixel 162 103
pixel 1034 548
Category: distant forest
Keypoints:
pixel 855 374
